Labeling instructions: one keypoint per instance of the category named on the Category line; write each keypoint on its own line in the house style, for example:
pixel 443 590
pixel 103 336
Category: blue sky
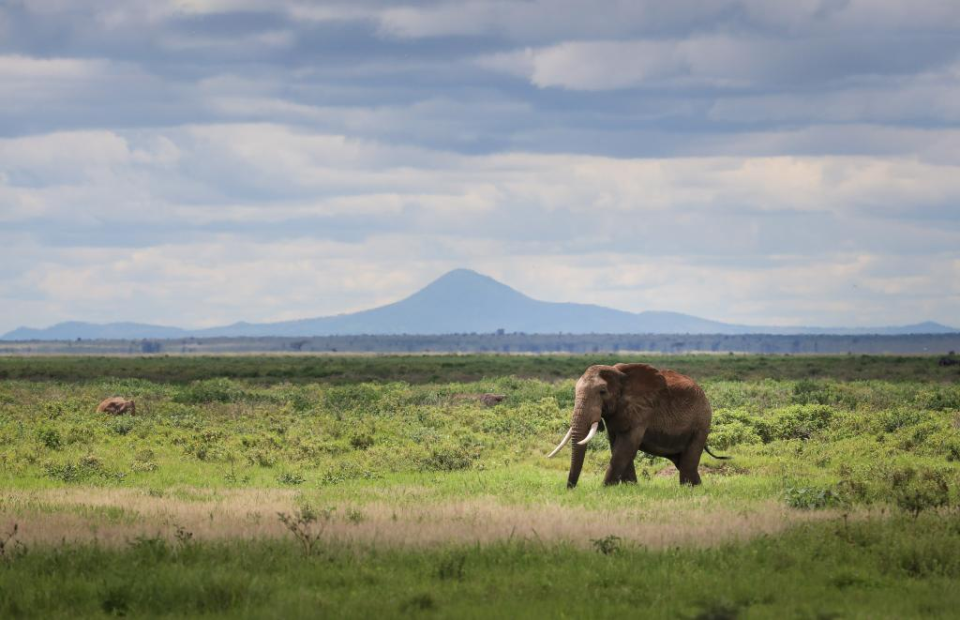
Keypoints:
pixel 199 162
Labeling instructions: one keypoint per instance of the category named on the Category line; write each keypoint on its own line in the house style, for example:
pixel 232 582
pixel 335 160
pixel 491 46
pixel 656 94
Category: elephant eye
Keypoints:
pixel 603 390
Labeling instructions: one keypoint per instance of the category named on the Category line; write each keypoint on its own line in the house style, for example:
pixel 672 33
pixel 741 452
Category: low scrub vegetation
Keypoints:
pixel 297 498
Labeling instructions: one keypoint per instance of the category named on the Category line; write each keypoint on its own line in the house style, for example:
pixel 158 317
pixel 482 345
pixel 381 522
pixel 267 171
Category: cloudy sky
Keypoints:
pixel 199 162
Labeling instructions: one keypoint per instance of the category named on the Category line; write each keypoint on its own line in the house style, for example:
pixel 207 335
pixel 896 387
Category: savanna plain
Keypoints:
pixel 380 486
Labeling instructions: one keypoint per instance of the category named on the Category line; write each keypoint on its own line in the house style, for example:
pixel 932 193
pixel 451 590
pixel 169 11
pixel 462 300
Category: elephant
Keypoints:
pixel 663 413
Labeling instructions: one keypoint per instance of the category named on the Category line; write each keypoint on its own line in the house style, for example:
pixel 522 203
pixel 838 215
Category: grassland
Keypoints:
pixel 279 487
pixel 426 368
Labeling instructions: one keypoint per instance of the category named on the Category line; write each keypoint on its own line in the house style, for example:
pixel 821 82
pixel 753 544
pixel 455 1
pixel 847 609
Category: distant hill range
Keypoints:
pixel 459 302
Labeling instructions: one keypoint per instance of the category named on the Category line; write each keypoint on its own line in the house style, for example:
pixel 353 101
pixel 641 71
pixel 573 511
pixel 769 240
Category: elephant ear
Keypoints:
pixel 613 376
pixel 642 380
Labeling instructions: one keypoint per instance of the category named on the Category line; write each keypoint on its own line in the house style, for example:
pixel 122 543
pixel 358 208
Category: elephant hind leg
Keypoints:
pixel 689 461
pixel 676 459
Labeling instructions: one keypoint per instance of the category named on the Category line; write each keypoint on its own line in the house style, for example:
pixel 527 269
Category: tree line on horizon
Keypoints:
pixel 503 342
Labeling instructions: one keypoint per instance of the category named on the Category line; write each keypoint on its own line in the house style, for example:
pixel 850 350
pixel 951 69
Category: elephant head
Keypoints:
pixel 603 393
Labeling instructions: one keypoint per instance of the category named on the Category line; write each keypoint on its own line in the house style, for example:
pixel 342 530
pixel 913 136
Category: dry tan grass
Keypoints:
pixel 115 516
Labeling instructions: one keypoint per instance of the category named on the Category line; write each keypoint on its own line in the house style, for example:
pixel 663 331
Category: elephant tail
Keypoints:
pixel 722 458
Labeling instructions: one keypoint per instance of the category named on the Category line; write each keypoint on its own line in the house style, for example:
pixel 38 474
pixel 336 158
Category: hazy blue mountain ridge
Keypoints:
pixel 461 301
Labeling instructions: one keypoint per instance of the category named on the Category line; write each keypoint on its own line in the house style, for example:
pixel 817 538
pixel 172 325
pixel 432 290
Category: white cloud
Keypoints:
pixel 205 161
pixel 26 81
pixel 297 172
pixel 539 20
pixel 715 60
pixel 927 96
pixel 738 238
pixel 270 39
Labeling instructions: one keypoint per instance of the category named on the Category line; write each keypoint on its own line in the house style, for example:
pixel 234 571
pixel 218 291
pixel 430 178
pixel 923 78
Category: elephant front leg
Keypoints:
pixel 621 467
pixel 630 473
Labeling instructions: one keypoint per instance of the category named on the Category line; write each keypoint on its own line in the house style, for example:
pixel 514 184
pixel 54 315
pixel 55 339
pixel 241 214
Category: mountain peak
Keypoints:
pixel 464 276
pixel 465 284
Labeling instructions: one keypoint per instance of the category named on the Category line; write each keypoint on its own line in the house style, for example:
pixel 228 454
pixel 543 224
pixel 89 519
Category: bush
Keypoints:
pixel 210 391
pixel 361 441
pixel 917 490
pixel 122 425
pixel 810 498
pixel 895 419
pixel 731 427
pixel 795 422
pixel 49 437
pixel 264 457
pixel 359 399
pixel 343 471
pixel 809 392
pixel 608 545
pixel 83 470
pixel 450 458
pixel 525 418
pixel 854 486
pixel 931 437
pixel 939 398
pixel 290 478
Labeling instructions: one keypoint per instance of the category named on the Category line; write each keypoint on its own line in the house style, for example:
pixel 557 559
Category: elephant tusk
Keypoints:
pixel 563 442
pixel 593 431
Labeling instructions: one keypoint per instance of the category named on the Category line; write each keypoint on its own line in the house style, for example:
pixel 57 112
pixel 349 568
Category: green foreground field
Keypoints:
pixel 286 490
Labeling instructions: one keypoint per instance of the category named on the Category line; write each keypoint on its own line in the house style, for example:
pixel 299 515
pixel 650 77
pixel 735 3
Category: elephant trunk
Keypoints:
pixel 582 421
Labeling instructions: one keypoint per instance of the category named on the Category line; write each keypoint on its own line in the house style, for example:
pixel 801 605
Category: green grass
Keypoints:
pixel 872 438
pixel 894 568
pixel 351 369
pixel 228 433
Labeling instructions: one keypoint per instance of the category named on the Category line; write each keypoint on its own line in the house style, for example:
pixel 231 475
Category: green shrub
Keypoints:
pixel 608 545
pixel 122 425
pixel 810 392
pixel 731 427
pixel 732 434
pixel 795 422
pixel 917 490
pixel 210 391
pixel 262 456
pixel 353 400
pixel 932 437
pixel 894 419
pixel 290 478
pixel 361 441
pixel 939 398
pixel 186 418
pixel 450 458
pixel 80 433
pixel 525 418
pixel 810 498
pixel 82 470
pixel 49 437
pixel 298 399
pixel 855 485
pixel 345 470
